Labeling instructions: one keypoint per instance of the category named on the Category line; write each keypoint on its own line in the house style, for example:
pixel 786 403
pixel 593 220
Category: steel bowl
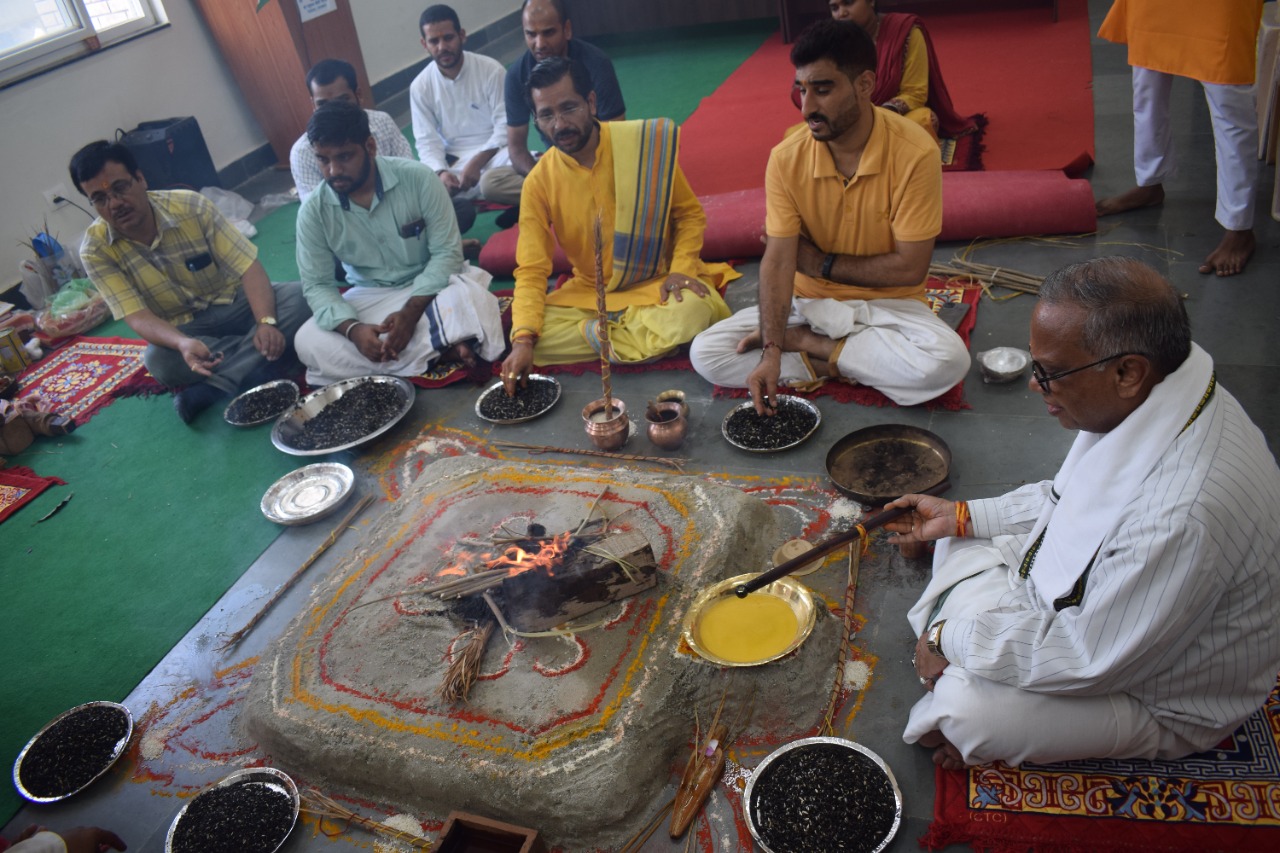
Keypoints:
pixel 308 494
pixel 724 426
pixel 497 389
pixel 268 776
pixel 750 798
pixel 115 754
pixel 279 383
pixel 882 463
pixel 1002 364
pixel 289 425
pixel 795 594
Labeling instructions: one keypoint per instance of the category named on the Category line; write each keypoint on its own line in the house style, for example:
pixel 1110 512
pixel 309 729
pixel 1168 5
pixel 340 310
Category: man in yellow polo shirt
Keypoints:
pixel 852 210
pixel 185 280
pixel 659 293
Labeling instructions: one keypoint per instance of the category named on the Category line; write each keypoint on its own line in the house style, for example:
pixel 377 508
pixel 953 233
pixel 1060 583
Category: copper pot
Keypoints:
pixel 667 424
pixel 608 431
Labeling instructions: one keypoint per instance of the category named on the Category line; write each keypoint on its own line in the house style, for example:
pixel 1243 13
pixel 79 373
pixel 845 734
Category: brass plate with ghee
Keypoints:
pixel 785 608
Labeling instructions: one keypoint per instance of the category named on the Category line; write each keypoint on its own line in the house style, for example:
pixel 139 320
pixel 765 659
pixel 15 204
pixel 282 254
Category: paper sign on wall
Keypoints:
pixel 315 8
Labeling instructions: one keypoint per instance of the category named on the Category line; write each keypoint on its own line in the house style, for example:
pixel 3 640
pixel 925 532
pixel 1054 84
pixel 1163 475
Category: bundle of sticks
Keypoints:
pixel 987 276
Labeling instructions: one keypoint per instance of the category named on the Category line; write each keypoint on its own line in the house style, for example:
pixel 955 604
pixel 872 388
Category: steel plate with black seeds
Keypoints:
pixel 261 404
pixel 794 421
pixel 251 811
pixel 823 795
pixel 531 401
pixel 343 415
pixel 71 751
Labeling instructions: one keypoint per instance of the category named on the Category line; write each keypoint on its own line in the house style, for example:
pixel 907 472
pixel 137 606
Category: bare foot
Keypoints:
pixel 1134 199
pixel 478 370
pixel 945 755
pixel 1232 253
pixel 806 340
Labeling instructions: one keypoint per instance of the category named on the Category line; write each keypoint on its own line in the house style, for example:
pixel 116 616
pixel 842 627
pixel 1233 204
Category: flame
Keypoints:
pixel 517 560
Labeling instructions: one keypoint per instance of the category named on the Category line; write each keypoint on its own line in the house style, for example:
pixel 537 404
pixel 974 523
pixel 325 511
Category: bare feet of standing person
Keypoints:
pixel 1133 199
pixel 1231 255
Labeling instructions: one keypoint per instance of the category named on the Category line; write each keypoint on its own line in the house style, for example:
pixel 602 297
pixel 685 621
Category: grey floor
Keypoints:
pixel 1004 439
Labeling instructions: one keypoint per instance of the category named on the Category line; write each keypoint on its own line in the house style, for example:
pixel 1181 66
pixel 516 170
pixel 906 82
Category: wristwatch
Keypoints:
pixel 267 320
pixel 933 639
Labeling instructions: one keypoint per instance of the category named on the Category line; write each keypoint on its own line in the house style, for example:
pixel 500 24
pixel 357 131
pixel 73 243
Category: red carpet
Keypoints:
pixel 19 486
pixel 83 376
pixel 1030 76
pixel 1227 798
pixel 940 293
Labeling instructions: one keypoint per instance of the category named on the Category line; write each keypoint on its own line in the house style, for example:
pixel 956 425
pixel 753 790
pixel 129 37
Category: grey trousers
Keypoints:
pixel 229 329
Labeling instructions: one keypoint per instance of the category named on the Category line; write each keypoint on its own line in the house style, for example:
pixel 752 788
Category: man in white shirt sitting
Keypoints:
pixel 459 114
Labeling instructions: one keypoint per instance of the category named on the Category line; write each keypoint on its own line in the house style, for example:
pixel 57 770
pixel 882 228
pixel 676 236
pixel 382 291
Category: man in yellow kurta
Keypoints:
pixel 1214 43
pixel 659 293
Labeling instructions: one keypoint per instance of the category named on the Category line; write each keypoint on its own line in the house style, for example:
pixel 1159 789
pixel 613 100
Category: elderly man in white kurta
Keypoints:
pixel 459 114
pixel 1130 607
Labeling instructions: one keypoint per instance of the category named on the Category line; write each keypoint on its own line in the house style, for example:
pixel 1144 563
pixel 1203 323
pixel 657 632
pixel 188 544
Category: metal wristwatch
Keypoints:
pixel 933 639
pixel 267 320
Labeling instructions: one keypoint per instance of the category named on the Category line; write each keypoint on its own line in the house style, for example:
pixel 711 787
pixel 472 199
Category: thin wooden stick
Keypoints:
pixel 671 462
pixel 846 636
pixel 315 555
pixel 316 803
pixel 602 327
pixel 635 842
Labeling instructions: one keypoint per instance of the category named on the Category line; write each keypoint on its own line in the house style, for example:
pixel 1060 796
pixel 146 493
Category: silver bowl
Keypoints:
pixel 267 386
pixel 749 795
pixel 289 425
pixel 115 754
pixel 268 776
pixel 497 389
pixel 1002 364
pixel 724 426
pixel 308 494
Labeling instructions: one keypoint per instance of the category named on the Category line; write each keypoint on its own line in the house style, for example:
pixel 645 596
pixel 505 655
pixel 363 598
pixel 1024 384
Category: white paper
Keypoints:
pixel 315 8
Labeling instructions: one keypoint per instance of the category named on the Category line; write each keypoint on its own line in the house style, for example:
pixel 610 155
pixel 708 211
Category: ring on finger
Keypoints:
pixel 925 682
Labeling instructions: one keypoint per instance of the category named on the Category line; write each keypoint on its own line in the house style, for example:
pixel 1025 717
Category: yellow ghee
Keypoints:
pixel 747 630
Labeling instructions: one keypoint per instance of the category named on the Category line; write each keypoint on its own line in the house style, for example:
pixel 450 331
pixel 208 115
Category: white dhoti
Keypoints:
pixel 897 346
pixel 991 721
pixel 465 310
pixel 1233 112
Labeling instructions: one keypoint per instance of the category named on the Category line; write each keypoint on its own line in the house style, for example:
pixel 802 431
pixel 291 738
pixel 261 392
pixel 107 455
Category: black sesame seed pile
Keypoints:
pixel 264 405
pixel 792 422
pixel 248 817
pixel 358 412
pixel 528 402
pixel 74 750
pixel 822 799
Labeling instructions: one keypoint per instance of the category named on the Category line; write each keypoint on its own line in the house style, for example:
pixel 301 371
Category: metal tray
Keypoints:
pixel 791 591
pixel 267 386
pixel 749 798
pixel 308 494
pixel 264 775
pixel 290 423
pixel 882 463
pixel 115 754
pixel 497 389
pixel 724 425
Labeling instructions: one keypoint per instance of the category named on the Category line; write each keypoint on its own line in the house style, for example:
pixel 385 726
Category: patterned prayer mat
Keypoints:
pixel 83 376
pixel 19 486
pixel 940 294
pixel 1227 798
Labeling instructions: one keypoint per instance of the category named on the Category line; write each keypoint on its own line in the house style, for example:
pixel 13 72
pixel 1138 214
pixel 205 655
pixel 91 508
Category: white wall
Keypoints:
pixel 175 72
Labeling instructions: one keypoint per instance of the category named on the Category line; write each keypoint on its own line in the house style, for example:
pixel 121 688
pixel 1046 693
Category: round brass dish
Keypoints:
pixel 793 548
pixel 881 463
pixel 792 592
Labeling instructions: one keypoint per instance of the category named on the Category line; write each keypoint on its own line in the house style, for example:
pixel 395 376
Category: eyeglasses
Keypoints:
pixel 116 191
pixel 550 118
pixel 1037 372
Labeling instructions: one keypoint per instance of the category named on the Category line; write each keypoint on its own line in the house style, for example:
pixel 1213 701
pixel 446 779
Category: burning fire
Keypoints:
pixel 514 559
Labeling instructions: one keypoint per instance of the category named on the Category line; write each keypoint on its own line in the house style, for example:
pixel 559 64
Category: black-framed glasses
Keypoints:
pixel 1037 372
pixel 550 118
pixel 118 190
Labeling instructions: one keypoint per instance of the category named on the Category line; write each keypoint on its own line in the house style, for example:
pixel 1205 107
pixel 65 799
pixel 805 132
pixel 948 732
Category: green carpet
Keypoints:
pixel 165 518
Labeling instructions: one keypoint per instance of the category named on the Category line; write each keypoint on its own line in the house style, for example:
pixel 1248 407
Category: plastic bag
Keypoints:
pixel 75 309
pixel 234 206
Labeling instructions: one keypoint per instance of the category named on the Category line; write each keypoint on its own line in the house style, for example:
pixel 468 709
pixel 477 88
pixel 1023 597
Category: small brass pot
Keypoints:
pixel 675 396
pixel 667 424
pixel 607 431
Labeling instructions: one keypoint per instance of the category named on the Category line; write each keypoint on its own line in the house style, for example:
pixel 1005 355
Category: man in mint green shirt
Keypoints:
pixel 413 300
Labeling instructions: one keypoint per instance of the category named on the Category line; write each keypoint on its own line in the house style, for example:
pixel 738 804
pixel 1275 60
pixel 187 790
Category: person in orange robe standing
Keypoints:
pixel 1214 43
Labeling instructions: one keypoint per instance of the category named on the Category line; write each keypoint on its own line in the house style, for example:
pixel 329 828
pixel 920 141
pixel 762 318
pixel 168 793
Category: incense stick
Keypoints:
pixel 315 555
pixel 670 461
pixel 602 324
